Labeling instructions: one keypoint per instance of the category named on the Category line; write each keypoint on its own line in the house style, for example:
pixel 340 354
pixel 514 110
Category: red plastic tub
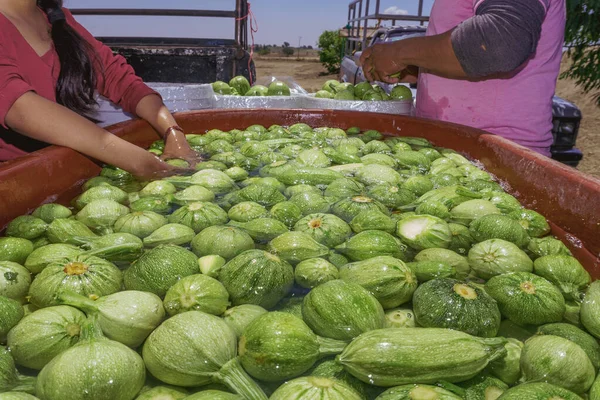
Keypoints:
pixel 569 199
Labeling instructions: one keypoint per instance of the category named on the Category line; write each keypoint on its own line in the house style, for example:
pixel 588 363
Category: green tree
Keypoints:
pixel 330 53
pixel 583 34
pixel 288 51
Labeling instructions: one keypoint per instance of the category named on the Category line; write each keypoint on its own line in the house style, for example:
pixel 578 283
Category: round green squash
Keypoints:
pixel 586 341
pixel 470 210
pixel 590 309
pixel 448 257
pixel 310 203
pixel 341 310
pixel 213 395
pixel 326 229
pixel 50 212
pixel 197 292
pixel 14 280
pixel 496 256
pixel 12 312
pixel 449 303
pixel 538 391
pixel 163 393
pixel 225 241
pixel 10 378
pixel 397 356
pixel 461 239
pixel 428 270
pixel 127 317
pixel 291 305
pixel 388 279
pixel 278 346
pixel 497 226
pixel 257 277
pixel 369 244
pixel 157 204
pixel 247 211
pixel 26 227
pixel 199 215
pixel 547 246
pixel 315 388
pixel 264 195
pixel 565 272
pixel 373 220
pixel 15 249
pixel 239 317
pixel 85 275
pixel 17 396
pixel 483 386
pixel 296 246
pixel 525 298
pixel 262 230
pixel 101 192
pixel 417 392
pixel 193 194
pixel 286 212
pixel 216 181
pixel 205 345
pixel 42 256
pixel 43 334
pixel 118 372
pixel 159 268
pixel 329 368
pixel 344 188
pixel 391 196
pixel 534 223
pixel 350 207
pixel 314 272
pixel 399 318
pixel 424 232
pixel 508 368
pixel 101 214
pixel 170 234
pixel 140 223
pixel 557 360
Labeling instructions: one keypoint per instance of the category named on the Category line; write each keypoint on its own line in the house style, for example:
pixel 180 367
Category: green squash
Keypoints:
pixel 313 158
pixel 216 181
pixel 586 341
pixel 291 305
pixel 526 298
pixel 193 194
pixel 43 334
pixel 301 189
pixel 590 309
pixel 508 368
pixel 10 378
pixel 15 249
pixel 461 239
pixel 391 196
pixel 26 227
pixel 17 396
pixel 127 317
pixel 565 272
pixel 196 292
pixel 329 368
pixel 262 194
pixel 449 303
pixel 412 159
pixel 433 208
pixel 247 211
pixel 424 231
pixel 558 360
pixel 239 317
pixel 372 220
pixel 376 146
pixel 163 393
pixel 470 210
pixel 572 313
pixel 97 181
pixel 114 246
pixel 450 258
pixel 213 395
pixel 417 392
pixel 534 223
pixel 225 241
pixel 326 229
pixel 262 229
pixel 315 388
pixel 14 281
pixel 314 272
pixel 496 257
pixel 296 246
pixel 199 216
pixel 428 270
pixel 85 275
pixel 12 312
pixel 157 204
pixel 397 356
pixel 390 280
pixel 118 372
pixel 350 207
pixel 483 387
pixel 140 223
pixel 341 310
pixel 211 265
pixel 382 159
pixel 547 246
pixel 49 212
pixel 42 256
pixel 594 393
pixel 286 212
pixel 307 175
pixel 66 230
pixel 344 188
pixel 278 346
pixel 257 277
pixel 177 234
pixel 205 345
pixel 494 226
pixel 311 203
pixel 538 391
pixel 418 184
pixel 369 244
pixel 376 174
pixel 106 192
pixel 159 268
pixel 399 318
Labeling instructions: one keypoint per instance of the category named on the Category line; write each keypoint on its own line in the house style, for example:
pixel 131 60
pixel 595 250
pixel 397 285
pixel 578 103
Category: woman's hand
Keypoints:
pixel 154 168
pixel 176 146
pixel 384 62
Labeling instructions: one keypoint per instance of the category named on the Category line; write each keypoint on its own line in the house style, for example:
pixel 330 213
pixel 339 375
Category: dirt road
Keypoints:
pixel 311 75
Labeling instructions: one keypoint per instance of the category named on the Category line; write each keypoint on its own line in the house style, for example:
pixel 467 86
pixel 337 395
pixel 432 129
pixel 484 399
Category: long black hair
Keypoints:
pixel 77 79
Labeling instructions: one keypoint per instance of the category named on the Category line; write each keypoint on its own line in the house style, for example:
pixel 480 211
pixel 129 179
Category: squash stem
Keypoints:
pixel 233 375
pixel 117 250
pixel 330 347
pixel 90 329
pixel 78 301
pixel 25 384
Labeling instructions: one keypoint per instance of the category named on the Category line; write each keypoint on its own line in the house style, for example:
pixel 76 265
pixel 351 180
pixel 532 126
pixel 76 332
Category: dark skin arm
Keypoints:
pixel 390 62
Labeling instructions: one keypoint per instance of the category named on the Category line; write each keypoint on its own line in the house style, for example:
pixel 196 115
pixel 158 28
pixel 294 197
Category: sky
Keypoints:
pixel 278 20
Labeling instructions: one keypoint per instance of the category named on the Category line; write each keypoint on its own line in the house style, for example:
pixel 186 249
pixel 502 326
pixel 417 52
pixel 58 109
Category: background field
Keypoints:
pixel 311 75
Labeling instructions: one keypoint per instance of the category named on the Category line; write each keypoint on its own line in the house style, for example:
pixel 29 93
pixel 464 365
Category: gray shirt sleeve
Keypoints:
pixel 501 36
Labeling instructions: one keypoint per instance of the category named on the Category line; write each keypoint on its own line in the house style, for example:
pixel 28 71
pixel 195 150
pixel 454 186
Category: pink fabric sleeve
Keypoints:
pixel 12 85
pixel 117 80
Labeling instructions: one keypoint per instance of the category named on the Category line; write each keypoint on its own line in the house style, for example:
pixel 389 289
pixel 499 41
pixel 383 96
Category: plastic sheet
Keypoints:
pixel 260 102
pixel 396 107
pixel 294 86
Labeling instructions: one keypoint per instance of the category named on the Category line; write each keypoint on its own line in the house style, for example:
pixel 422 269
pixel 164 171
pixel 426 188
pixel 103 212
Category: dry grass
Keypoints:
pixel 311 75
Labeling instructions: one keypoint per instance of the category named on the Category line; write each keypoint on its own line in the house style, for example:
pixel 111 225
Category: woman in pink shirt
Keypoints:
pixel 489 64
pixel 50 69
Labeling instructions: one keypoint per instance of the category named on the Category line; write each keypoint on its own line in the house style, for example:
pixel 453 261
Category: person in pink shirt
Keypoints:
pixel 50 70
pixel 489 64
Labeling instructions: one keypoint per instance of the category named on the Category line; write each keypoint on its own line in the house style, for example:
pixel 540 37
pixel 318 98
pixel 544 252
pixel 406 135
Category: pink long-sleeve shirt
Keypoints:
pixel 22 70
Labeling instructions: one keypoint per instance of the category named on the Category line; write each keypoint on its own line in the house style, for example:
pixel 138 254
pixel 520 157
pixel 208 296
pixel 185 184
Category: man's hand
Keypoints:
pixel 383 62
